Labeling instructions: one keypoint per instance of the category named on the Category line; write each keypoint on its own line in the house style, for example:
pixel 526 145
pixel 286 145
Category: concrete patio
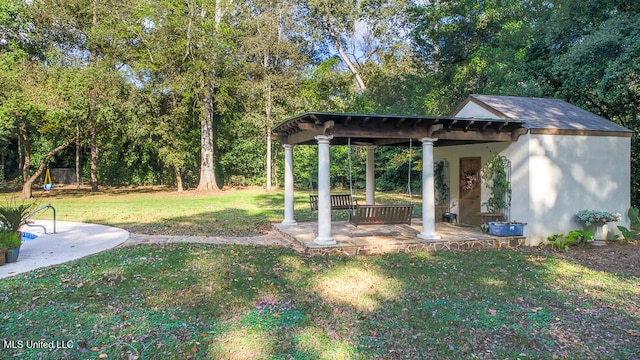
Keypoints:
pixel 70 241
pixel 380 239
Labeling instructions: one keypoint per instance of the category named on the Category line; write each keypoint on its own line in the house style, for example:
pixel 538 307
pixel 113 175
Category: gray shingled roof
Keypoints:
pixel 539 113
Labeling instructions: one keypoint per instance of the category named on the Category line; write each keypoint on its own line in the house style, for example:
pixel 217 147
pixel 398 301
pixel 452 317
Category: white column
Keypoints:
pixel 324 192
pixel 428 197
pixel 289 218
pixel 371 176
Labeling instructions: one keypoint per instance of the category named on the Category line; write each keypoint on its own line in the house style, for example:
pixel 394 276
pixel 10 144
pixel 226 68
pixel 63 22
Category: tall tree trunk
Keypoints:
pixel 207 161
pixel 94 158
pixel 26 153
pixel 208 181
pixel 335 38
pixel 92 112
pixel 20 153
pixel 28 184
pixel 77 156
pixel 267 111
pixel 178 179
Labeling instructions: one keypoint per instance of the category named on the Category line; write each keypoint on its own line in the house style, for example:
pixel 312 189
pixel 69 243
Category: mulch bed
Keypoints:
pixel 619 257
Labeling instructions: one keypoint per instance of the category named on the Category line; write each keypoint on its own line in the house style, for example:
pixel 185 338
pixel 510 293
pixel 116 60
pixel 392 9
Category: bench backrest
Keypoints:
pixel 381 214
pixel 338 202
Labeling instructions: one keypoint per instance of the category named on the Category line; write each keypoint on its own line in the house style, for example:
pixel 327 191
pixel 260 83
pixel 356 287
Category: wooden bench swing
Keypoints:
pixel 338 202
pixel 368 214
pixel 381 214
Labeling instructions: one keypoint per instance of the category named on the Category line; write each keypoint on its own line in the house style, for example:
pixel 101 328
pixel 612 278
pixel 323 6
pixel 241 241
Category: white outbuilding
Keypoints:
pixel 559 159
pixel 568 160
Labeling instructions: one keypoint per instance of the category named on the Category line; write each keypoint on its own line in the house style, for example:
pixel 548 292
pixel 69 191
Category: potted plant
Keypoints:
pixel 598 219
pixel 13 216
pixel 3 251
pixel 11 241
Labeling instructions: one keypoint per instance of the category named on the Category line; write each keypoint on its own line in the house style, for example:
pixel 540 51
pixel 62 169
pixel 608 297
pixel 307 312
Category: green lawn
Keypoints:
pixel 148 211
pixel 248 302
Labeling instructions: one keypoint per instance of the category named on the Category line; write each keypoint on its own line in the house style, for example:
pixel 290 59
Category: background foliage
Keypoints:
pixel 138 82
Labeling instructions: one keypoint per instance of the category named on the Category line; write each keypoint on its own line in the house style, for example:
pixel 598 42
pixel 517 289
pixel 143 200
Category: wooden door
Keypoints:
pixel 470 191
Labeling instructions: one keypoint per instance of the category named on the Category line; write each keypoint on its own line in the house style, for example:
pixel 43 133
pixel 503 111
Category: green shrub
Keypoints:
pixel 558 241
pixel 9 239
pixel 575 237
pixel 634 217
pixel 628 235
pixel 12 216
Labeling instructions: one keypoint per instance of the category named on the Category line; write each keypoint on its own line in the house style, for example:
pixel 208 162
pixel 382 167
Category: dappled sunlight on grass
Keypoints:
pixel 364 289
pixel 491 281
pixel 242 344
pixel 588 282
pixel 248 302
pixel 314 343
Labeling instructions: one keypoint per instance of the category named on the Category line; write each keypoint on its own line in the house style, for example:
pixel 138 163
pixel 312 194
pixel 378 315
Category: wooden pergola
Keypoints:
pixel 323 129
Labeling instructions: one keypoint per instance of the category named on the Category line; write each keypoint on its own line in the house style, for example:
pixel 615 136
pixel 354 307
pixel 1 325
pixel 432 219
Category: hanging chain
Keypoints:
pixel 350 175
pixel 409 172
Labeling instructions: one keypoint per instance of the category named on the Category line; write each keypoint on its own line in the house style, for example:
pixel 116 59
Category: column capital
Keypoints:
pixel 287 146
pixel 428 140
pixel 323 139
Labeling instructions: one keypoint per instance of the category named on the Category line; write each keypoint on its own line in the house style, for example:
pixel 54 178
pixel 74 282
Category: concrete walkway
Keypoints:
pixel 71 241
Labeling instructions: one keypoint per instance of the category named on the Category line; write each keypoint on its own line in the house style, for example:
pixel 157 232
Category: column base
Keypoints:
pixel 425 236
pixel 289 222
pixel 324 241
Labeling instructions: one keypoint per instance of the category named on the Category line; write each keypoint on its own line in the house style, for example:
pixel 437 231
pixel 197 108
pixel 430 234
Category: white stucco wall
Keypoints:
pixel 472 109
pixel 553 177
pixel 569 173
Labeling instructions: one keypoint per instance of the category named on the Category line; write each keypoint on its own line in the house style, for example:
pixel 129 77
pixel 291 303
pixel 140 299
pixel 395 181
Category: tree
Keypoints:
pixel 187 47
pixel 95 35
pixel 358 30
pixel 274 60
pixel 41 112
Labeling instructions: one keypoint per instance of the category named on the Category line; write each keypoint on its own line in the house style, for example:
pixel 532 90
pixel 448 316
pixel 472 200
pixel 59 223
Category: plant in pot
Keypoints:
pixel 598 219
pixel 3 248
pixel 13 216
pixel 11 241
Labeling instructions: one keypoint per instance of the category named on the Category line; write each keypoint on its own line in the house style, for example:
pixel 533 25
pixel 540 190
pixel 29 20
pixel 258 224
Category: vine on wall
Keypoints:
pixel 441 182
pixel 495 174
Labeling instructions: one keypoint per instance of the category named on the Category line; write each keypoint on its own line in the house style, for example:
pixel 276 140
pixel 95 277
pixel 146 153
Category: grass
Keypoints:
pixel 246 302
pixel 204 301
pixel 162 211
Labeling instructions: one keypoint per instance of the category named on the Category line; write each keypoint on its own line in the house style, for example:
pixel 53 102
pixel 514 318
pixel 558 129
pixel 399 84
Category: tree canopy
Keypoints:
pixel 185 92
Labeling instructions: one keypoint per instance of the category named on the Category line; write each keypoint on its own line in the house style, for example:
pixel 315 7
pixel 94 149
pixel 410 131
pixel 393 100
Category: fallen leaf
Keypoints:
pixel 492 311
pixel 634 332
